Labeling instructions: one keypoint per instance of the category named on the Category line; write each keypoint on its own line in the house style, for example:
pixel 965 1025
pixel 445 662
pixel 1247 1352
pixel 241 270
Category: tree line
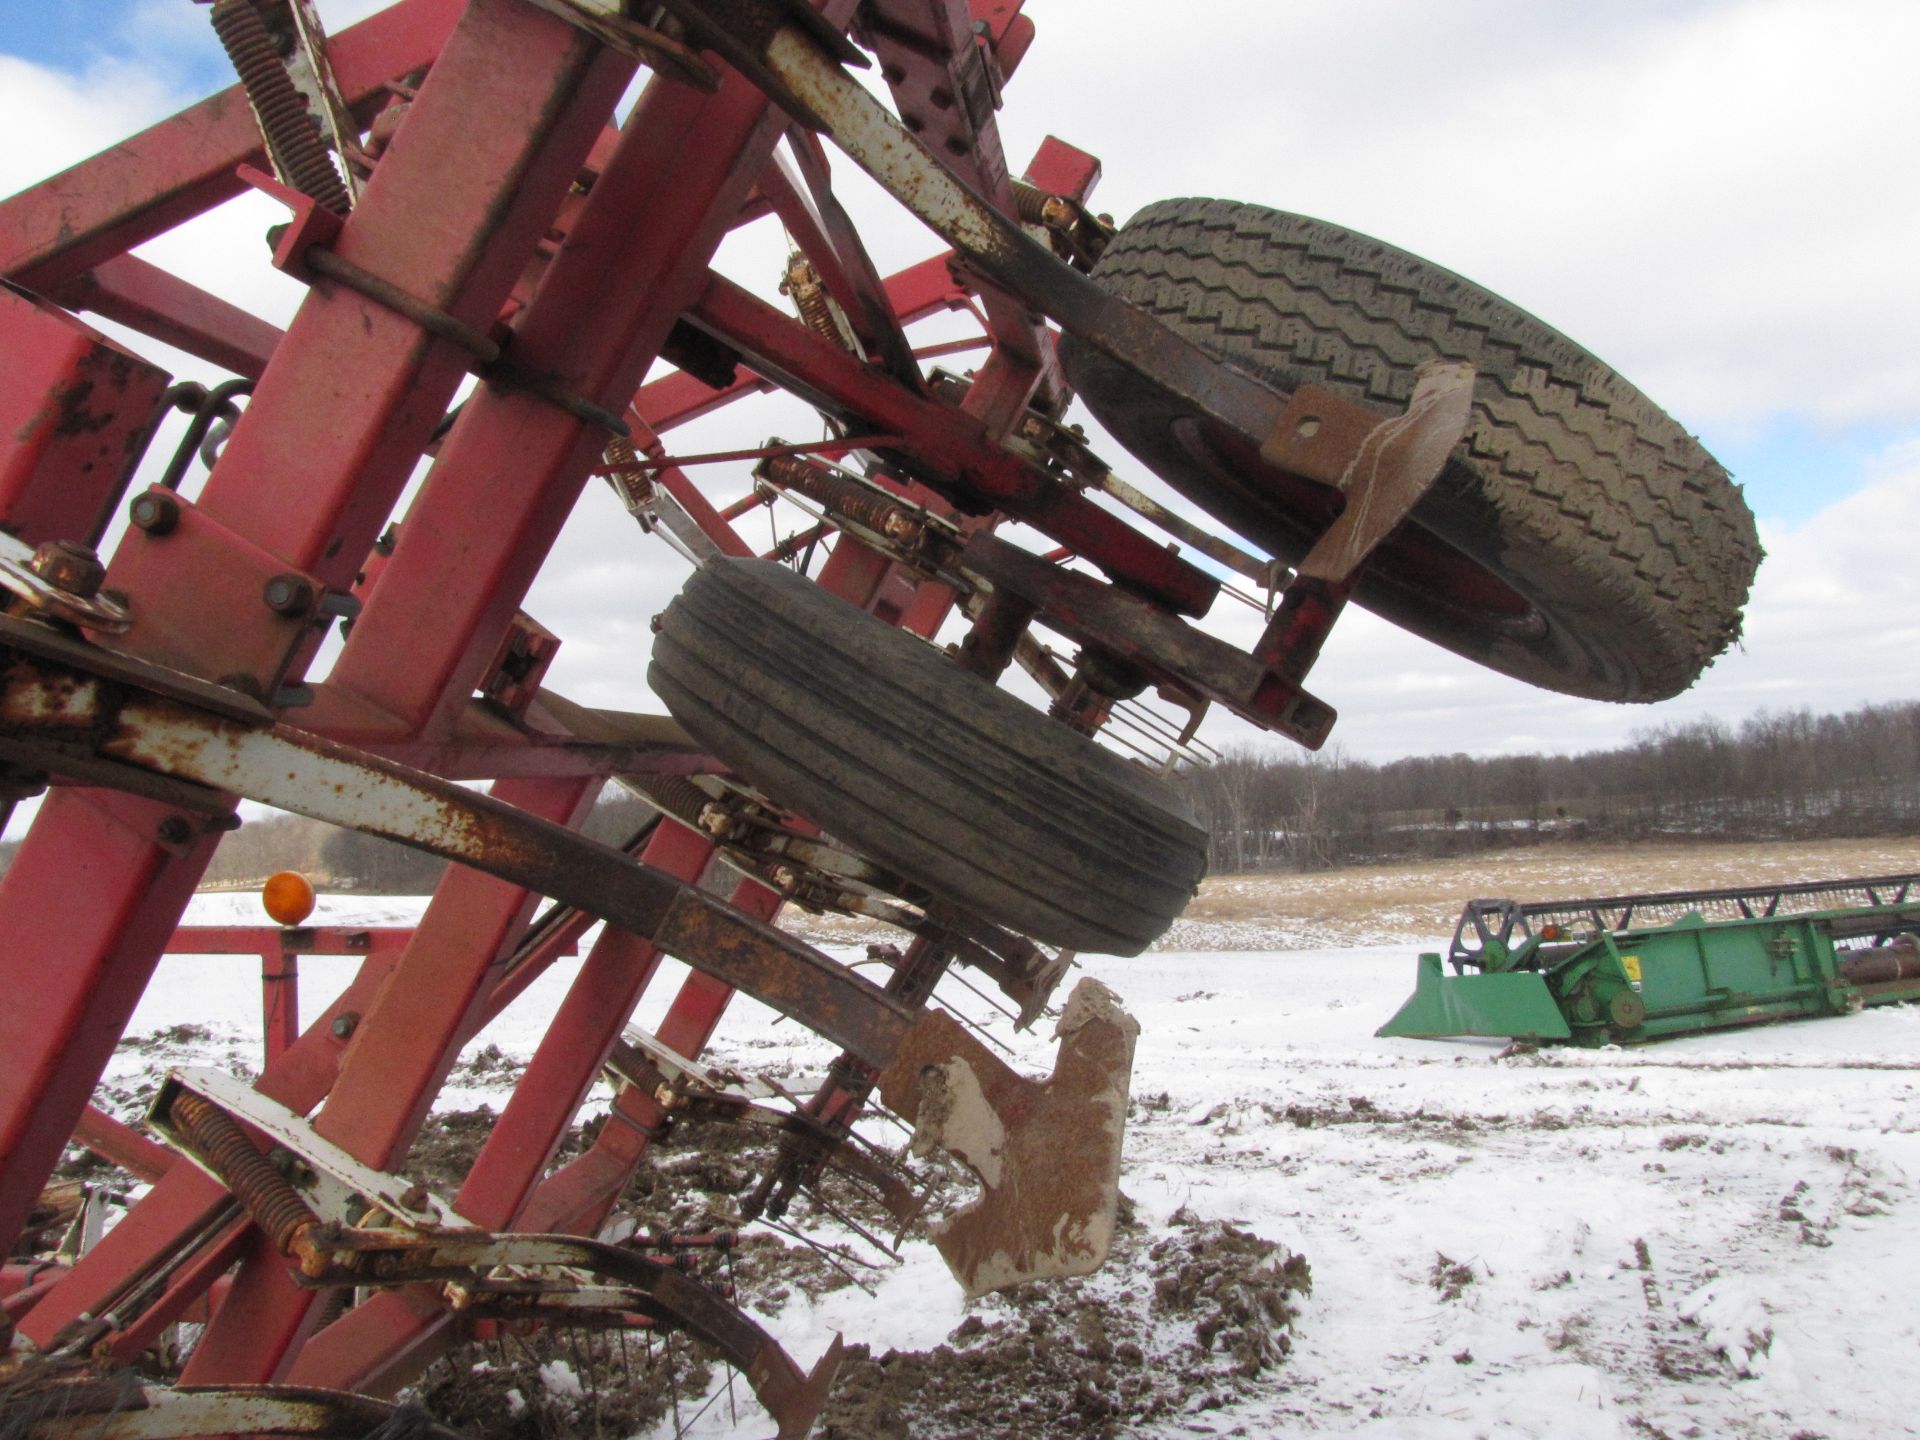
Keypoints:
pixel 1779 773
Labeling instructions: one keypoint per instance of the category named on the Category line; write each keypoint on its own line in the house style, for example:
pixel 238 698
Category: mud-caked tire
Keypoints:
pixel 888 746
pixel 1579 539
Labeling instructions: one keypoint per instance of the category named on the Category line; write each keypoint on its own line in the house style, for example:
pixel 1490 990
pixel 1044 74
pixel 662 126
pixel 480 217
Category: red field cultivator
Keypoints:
pixel 468 195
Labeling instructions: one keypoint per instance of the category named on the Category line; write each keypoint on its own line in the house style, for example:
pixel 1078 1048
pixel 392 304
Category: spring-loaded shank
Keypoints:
pixel 844 498
pixel 292 133
pixel 267 1196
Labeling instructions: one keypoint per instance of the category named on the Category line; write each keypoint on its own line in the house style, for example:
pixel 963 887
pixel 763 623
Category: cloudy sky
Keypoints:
pixel 1713 195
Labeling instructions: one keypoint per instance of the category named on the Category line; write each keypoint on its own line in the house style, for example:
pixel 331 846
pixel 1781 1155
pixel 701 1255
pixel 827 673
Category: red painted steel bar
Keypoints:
pixel 407 1041
pixel 576 1197
pixel 941 76
pixel 122 1145
pixel 90 899
pixel 76 412
pixel 280 1001
pixel 398 1335
pixel 143 297
pixel 298 939
pixel 572 1050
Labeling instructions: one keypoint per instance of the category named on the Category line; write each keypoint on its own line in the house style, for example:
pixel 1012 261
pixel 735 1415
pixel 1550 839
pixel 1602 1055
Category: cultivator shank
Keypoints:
pixel 512 285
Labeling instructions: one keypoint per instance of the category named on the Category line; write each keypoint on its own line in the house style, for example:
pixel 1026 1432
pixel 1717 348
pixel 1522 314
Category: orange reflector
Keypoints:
pixel 288 897
pixel 1551 932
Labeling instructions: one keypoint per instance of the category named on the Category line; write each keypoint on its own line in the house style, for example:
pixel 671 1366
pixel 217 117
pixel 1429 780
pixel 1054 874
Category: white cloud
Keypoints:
pixel 53 119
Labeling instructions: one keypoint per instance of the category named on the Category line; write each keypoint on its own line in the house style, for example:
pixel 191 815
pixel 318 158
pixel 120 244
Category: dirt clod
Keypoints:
pixel 1069 1357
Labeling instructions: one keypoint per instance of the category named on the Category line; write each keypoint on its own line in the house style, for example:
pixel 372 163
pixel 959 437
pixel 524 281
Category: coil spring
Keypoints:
pixel 677 795
pixel 1030 202
pixel 802 283
pixel 630 480
pixel 267 1196
pixel 842 497
pixel 292 134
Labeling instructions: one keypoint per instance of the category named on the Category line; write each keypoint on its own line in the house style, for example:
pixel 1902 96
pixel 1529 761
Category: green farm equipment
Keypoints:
pixel 1626 969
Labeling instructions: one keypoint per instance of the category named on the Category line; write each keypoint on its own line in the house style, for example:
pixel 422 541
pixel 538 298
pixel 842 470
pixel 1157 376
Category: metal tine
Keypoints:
pixel 1148 719
pixel 834 1211
pixel 706 1405
pixel 981 1030
pixel 974 989
pixel 673 1388
pixel 828 1253
pixel 733 1293
pixel 1197 750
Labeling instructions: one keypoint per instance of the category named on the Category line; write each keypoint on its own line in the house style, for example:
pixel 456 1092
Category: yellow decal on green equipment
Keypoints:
pixel 1631 964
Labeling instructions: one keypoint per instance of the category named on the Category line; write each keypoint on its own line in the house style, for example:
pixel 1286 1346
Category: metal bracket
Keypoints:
pixel 1389 467
pixel 328 1178
pixel 641 1058
pixel 1047 1153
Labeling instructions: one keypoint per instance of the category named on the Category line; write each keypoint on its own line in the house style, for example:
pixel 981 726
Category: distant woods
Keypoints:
pixel 1780 773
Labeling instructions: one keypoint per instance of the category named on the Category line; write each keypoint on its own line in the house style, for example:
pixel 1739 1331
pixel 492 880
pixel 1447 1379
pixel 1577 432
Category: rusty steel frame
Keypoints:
pixel 509 227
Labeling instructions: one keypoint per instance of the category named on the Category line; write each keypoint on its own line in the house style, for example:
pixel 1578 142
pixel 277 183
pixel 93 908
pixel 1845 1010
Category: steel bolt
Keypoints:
pixel 344 1025
pixel 69 566
pixel 415 1197
pixel 288 594
pixel 155 512
pixel 174 831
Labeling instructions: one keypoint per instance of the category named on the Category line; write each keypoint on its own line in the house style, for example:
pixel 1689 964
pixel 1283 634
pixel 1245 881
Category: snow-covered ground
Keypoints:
pixel 1701 1238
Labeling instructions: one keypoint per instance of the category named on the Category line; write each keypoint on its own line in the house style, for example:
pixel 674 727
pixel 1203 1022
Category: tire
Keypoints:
pixel 1579 539
pixel 887 745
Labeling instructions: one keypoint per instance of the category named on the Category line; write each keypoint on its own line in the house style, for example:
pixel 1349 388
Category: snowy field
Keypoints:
pixel 1696 1239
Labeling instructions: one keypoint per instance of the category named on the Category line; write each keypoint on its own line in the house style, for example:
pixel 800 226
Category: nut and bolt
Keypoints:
pixel 415 1197
pixel 154 511
pixel 288 594
pixel 344 1025
pixel 69 566
pixel 174 831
